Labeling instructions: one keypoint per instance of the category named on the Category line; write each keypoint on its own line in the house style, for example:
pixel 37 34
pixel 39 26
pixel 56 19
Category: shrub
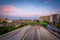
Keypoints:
pixel 57 25
pixel 3 30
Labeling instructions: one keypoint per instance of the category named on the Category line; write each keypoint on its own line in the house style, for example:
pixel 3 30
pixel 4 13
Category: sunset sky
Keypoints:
pixel 28 9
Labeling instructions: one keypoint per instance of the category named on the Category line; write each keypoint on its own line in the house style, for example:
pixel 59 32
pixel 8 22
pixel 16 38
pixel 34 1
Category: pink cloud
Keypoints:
pixel 8 8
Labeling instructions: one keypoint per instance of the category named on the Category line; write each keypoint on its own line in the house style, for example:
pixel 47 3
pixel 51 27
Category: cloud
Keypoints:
pixel 8 8
pixel 26 11
pixel 48 1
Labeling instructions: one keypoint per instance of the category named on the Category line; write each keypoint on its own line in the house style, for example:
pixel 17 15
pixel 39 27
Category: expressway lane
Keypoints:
pixel 30 33
pixel 16 34
pixel 46 35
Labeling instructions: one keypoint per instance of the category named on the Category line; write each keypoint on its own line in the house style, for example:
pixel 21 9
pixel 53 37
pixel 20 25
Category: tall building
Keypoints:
pixel 53 18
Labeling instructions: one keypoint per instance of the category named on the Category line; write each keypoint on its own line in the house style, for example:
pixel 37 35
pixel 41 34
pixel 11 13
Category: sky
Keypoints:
pixel 28 9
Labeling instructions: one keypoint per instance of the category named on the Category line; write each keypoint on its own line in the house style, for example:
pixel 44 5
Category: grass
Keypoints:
pixel 37 23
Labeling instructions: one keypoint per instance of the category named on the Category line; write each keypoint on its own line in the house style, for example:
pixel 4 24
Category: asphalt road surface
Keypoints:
pixel 29 33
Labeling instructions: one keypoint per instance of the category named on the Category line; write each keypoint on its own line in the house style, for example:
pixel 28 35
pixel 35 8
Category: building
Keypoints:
pixel 45 18
pixel 53 18
pixel 10 21
pixel 22 21
pixel 3 20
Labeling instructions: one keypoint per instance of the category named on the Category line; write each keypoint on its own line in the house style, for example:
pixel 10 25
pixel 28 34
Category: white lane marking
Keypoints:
pixel 26 34
pixel 51 35
pixel 39 36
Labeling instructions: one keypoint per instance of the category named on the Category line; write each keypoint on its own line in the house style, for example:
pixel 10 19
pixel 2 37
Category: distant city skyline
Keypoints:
pixel 28 9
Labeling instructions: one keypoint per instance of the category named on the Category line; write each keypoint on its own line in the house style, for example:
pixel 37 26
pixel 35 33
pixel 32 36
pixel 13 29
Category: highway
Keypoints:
pixel 29 33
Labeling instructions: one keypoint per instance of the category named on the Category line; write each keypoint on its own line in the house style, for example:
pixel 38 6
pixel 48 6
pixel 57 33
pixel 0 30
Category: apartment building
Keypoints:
pixel 53 18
